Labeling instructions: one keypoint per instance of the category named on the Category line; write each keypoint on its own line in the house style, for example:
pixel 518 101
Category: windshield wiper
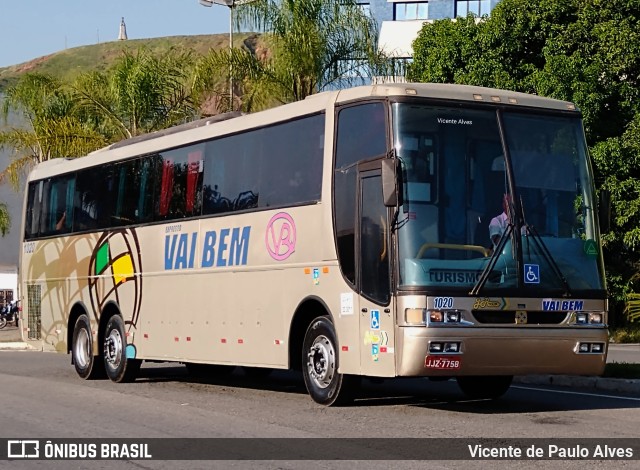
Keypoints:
pixel 546 254
pixel 486 272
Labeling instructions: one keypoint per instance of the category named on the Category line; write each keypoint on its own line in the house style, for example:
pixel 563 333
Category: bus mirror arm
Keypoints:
pixel 390 181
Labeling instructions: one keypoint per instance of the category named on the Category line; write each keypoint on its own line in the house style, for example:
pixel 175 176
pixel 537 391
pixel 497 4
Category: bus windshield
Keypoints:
pixel 457 223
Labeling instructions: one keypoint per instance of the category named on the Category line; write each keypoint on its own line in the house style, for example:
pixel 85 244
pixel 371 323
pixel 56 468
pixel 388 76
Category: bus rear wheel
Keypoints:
pixel 484 386
pixel 320 365
pixel 86 364
pixel 118 367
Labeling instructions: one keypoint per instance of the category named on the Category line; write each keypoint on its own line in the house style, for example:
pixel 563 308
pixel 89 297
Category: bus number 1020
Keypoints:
pixel 443 302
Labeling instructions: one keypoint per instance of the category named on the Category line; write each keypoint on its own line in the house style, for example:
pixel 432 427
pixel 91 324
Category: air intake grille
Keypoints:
pixel 34 300
pixel 508 317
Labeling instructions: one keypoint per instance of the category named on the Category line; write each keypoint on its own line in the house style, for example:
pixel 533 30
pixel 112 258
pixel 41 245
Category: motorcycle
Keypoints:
pixel 9 314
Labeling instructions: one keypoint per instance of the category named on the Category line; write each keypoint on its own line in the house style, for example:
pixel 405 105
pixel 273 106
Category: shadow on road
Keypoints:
pixel 414 392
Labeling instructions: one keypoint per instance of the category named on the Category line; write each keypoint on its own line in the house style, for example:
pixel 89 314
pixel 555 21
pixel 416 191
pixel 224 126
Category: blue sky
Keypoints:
pixel 33 28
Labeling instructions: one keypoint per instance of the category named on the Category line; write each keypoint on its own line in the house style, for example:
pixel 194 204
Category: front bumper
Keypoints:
pixel 503 351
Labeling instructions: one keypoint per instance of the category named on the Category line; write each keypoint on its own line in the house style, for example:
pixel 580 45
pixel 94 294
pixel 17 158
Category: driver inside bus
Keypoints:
pixel 499 223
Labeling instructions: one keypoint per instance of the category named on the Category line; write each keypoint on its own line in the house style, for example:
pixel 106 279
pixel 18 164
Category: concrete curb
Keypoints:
pixel 15 345
pixel 631 386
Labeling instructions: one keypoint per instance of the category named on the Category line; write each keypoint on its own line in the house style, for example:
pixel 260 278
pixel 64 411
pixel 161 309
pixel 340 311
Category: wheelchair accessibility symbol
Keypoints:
pixel 375 319
pixel 532 274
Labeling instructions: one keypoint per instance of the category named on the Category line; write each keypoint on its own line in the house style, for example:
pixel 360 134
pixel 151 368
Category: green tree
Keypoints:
pixel 444 50
pixel 502 51
pixel 585 51
pixel 309 46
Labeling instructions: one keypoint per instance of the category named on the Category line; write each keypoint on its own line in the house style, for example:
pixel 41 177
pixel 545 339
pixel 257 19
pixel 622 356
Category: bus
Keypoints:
pixel 398 230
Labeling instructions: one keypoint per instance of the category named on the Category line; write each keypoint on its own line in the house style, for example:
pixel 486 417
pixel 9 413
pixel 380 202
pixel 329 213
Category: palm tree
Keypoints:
pixel 5 219
pixel 141 93
pixel 55 128
pixel 632 308
pixel 311 45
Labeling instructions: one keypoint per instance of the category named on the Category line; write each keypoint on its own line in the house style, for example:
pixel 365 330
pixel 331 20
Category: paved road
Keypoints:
pixel 624 353
pixel 44 398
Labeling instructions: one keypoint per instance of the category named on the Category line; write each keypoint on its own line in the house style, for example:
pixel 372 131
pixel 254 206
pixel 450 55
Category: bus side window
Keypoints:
pixel 89 208
pixel 34 208
pixel 166 188
pixel 58 205
pixel 181 183
pixel 149 188
pixel 85 212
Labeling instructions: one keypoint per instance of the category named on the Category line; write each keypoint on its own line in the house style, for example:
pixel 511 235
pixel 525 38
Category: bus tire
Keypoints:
pixel 87 365
pixel 119 368
pixel 320 365
pixel 485 387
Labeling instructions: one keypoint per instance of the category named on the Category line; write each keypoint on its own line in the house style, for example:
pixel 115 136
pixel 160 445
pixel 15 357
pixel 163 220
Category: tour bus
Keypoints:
pixel 396 230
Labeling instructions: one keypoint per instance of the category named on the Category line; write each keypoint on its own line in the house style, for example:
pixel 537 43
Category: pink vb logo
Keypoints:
pixel 280 237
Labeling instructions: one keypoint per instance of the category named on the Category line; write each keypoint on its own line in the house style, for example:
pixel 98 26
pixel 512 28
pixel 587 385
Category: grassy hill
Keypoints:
pixel 69 63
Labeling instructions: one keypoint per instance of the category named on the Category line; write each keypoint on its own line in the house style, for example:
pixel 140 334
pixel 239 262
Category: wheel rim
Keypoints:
pixel 113 349
pixel 82 348
pixel 321 363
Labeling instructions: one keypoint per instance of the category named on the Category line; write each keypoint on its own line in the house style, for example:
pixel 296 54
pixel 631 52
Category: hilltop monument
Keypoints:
pixel 122 36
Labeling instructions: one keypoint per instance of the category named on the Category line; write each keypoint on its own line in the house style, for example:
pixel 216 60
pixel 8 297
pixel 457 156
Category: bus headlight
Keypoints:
pixel 595 318
pixel 444 316
pixel 597 348
pixel 452 316
pixel 422 316
pixel 588 318
pixel 435 316
pixel 590 348
pixel 448 347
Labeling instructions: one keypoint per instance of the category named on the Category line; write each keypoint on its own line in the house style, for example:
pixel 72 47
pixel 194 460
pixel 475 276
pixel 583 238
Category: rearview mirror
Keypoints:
pixel 389 179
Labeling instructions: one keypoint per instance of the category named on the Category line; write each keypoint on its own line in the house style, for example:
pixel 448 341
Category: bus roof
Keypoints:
pixel 231 123
pixel 447 91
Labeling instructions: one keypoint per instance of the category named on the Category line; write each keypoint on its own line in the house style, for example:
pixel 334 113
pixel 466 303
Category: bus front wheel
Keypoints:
pixel 118 367
pixel 320 365
pixel 484 386
pixel 86 364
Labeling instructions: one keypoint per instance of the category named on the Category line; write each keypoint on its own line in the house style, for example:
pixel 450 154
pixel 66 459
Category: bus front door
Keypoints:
pixel 373 276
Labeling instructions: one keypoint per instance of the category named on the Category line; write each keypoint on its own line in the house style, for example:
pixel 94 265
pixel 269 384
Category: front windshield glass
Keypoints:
pixel 457 202
pixel 553 184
